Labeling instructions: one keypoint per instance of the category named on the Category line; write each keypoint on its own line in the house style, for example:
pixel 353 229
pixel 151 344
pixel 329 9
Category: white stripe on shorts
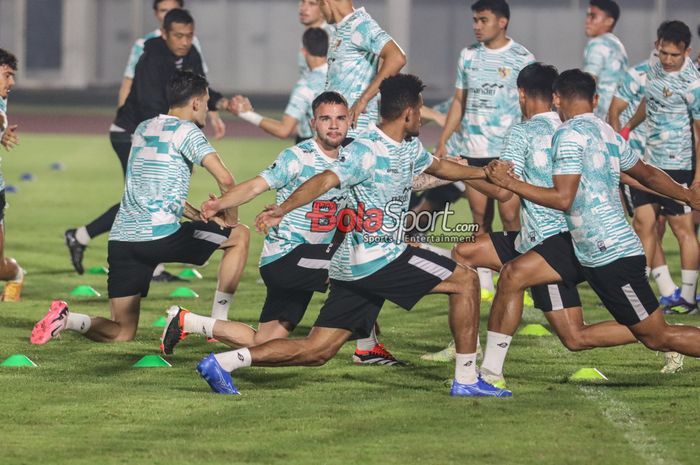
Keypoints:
pixel 555 296
pixel 314 263
pixel 430 267
pixel 635 302
pixel 217 239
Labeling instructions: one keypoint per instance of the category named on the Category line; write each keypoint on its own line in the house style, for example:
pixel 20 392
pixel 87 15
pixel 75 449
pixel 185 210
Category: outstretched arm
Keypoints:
pixel 559 197
pixel 313 188
pixel 238 195
pixel 658 181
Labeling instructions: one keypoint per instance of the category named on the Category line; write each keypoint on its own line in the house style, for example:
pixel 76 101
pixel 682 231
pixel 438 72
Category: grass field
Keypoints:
pixel 84 404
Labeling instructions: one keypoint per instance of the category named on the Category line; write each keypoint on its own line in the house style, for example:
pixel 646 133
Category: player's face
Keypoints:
pixel 7 80
pixel 200 109
pixel 162 9
pixel 331 124
pixel 413 119
pixel 179 38
pixel 597 22
pixel 672 56
pixel 487 26
pixel 309 12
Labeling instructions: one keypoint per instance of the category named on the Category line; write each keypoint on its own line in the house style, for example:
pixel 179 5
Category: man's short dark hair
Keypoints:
pixel 536 79
pixel 574 83
pixel 609 7
pixel 315 41
pixel 675 32
pixel 184 85
pixel 177 15
pixel 499 8
pixel 328 96
pixel 398 93
pixel 8 59
pixel 181 3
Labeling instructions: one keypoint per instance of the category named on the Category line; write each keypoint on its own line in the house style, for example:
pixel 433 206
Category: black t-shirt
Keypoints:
pixel 154 69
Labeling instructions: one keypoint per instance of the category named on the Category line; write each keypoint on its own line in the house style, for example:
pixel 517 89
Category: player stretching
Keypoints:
pixel 147 230
pixel 10 271
pixel 373 263
pixel 588 156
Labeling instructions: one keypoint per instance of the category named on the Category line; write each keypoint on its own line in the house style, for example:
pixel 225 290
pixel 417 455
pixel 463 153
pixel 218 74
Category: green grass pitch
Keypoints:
pixel 84 404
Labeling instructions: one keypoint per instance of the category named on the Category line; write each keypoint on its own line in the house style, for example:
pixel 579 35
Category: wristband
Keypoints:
pixel 251 117
pixel 625 133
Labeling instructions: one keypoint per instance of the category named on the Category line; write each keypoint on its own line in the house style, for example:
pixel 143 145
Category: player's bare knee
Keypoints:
pixel 511 276
pixel 656 342
pixel 573 342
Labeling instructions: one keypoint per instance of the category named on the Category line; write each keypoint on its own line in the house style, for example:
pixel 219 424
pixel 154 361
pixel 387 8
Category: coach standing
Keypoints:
pixel 162 57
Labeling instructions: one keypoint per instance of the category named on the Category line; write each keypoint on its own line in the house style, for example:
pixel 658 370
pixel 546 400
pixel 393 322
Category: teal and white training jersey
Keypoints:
pixel 605 58
pixel 291 169
pixel 353 60
pixel 489 76
pixel 673 101
pixel 587 146
pixel 137 51
pixel 163 152
pixel 303 95
pixel 455 144
pixel 631 90
pixel 529 146
pixel 3 126
pixel 378 173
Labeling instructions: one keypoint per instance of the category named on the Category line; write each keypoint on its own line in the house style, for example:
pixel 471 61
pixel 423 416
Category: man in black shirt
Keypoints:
pixel 161 58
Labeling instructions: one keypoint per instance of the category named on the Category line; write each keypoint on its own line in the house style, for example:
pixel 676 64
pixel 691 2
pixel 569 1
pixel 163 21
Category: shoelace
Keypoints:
pixel 381 351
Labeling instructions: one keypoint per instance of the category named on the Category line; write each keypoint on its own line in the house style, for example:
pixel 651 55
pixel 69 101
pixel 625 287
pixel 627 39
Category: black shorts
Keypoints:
pixel 624 289
pixel 292 280
pixel 355 305
pixel 439 196
pixel 667 207
pixel 558 252
pixel 626 194
pixel 131 264
pixel 3 204
pixel 479 162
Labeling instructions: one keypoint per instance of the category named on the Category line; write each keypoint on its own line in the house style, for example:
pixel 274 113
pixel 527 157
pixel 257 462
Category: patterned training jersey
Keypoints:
pixel 673 101
pixel 378 173
pixel 163 152
pixel 529 146
pixel 137 51
pixel 4 123
pixel 488 76
pixel 631 90
pixel 291 169
pixel 605 58
pixel 303 95
pixel 455 145
pixel 587 146
pixel 353 60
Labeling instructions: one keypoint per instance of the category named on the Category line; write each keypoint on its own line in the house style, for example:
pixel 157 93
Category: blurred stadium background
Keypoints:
pixel 250 45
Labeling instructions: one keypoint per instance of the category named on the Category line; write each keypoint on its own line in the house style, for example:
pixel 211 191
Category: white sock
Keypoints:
pixel 82 236
pixel 159 269
pixel 368 343
pixel 647 271
pixel 689 278
pixel 199 324
pixel 78 322
pixel 663 279
pixel 222 301
pixel 497 346
pixel 19 276
pixel 234 359
pixel 465 368
pixel 486 279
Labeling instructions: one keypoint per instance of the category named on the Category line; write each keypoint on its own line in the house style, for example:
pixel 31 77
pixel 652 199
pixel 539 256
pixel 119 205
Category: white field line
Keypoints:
pixel 640 440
